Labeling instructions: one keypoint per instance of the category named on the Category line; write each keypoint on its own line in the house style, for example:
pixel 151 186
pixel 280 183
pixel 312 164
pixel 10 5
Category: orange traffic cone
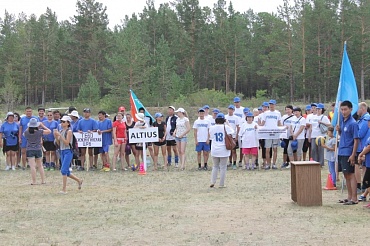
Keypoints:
pixel 329 184
pixel 142 169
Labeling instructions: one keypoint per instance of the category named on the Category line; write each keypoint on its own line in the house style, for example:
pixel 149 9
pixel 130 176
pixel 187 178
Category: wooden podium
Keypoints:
pixel 306 183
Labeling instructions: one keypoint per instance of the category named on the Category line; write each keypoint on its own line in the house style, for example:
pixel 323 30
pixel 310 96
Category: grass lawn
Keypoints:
pixel 172 208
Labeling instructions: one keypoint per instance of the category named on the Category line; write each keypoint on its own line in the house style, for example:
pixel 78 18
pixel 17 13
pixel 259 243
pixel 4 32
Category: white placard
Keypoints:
pixel 265 133
pixel 88 139
pixel 146 135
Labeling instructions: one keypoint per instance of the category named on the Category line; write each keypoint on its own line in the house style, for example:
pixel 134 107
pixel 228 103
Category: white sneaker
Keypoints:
pixel 13 168
pixel 7 168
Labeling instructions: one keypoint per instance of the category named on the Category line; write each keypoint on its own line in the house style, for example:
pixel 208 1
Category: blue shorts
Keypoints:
pixel 104 149
pixel 24 142
pixel 34 154
pixel 202 146
pixel 66 158
pixel 184 139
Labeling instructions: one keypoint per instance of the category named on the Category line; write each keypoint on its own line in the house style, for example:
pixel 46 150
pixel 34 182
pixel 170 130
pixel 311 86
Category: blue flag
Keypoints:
pixel 347 89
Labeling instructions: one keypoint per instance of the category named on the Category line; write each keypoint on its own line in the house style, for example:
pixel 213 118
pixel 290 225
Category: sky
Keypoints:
pixel 117 9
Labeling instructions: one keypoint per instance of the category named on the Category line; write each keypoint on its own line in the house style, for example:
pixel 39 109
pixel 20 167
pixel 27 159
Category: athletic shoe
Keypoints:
pixel 80 168
pixel 7 168
pixel 284 165
pixel 287 167
pixel 176 165
pixel 253 167
pixel 199 168
pixel 205 168
pixel 13 168
pixel 267 167
pixel 51 169
pixel 274 166
pixel 240 164
pixel 234 167
pixel 362 198
pixel 229 165
pixel 247 167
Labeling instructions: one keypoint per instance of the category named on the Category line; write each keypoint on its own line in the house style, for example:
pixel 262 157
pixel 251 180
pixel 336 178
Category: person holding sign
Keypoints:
pixel 120 140
pixel 182 129
pixel 271 119
pixel 219 152
pixel 142 125
pixel 86 124
pixel 297 132
pixel 64 140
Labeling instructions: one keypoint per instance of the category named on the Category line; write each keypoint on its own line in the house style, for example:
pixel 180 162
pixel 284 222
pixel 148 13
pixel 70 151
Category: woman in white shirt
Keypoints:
pixel 317 152
pixel 219 152
pixel 297 132
pixel 182 129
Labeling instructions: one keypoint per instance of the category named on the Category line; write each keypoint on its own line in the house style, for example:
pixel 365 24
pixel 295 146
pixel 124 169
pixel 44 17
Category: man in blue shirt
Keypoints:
pixel 362 132
pixel 41 117
pixel 347 150
pixel 86 124
pixel 23 125
pixel 105 128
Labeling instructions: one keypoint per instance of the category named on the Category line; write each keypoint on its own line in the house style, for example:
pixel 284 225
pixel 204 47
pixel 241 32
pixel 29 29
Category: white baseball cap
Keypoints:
pixel 74 113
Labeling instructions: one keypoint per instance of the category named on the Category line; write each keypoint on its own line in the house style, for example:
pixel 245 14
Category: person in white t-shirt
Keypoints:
pixel 201 137
pixel 271 120
pixel 238 108
pixel 264 108
pixel 215 111
pixel 306 145
pixel 315 121
pixel 245 112
pixel 207 116
pixel 170 137
pixel 248 135
pixel 297 132
pixel 233 122
pixel 218 150
pixel 287 120
pixel 182 129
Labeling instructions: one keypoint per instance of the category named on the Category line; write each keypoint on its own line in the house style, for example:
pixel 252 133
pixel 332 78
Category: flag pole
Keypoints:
pixel 336 144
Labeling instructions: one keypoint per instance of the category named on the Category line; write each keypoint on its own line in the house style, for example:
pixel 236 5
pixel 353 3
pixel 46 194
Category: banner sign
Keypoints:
pixel 88 139
pixel 265 133
pixel 147 135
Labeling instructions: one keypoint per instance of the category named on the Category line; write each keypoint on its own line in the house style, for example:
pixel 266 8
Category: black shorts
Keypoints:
pixel 286 141
pixel 345 166
pixel 366 180
pixel 306 145
pixel 171 142
pixel 159 143
pixel 49 146
pixel 11 148
pixel 96 150
pixel 236 144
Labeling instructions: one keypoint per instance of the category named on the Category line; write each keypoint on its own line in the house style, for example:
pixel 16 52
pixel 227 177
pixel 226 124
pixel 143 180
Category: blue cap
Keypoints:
pixel 216 110
pixel 313 104
pixel 157 115
pixel 320 105
pixel 294 145
pixel 282 144
pixel 265 104
pixel 220 116
pixel 201 110
pixel 246 110
pixel 250 114
pixel 231 107
pixel 272 101
pixel 206 107
pixel 308 107
pixel 236 99
pixel 259 108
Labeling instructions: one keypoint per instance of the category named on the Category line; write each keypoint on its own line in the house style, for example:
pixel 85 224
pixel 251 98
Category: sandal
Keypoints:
pixel 80 184
pixel 343 201
pixel 350 203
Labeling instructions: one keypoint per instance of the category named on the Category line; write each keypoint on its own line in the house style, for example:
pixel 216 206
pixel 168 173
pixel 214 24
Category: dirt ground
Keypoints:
pixel 172 208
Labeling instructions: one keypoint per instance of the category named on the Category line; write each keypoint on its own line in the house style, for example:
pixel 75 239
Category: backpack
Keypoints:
pixel 74 146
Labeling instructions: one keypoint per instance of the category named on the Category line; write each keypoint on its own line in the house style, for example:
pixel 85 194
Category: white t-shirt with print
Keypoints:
pixel 239 112
pixel 202 127
pixel 248 135
pixel 286 120
pixel 234 122
pixel 181 126
pixel 168 130
pixel 217 135
pixel 271 119
pixel 296 124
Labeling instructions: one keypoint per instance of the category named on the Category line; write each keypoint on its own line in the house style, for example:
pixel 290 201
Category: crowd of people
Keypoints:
pixel 44 142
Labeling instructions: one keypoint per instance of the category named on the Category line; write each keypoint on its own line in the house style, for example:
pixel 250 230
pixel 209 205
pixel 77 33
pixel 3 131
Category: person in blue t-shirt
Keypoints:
pixel 74 124
pixel 105 129
pixel 23 125
pixel 48 142
pixel 347 150
pixel 41 117
pixel 86 124
pixel 9 133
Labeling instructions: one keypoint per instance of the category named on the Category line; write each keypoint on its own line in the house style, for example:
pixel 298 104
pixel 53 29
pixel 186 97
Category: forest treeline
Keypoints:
pixel 177 49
